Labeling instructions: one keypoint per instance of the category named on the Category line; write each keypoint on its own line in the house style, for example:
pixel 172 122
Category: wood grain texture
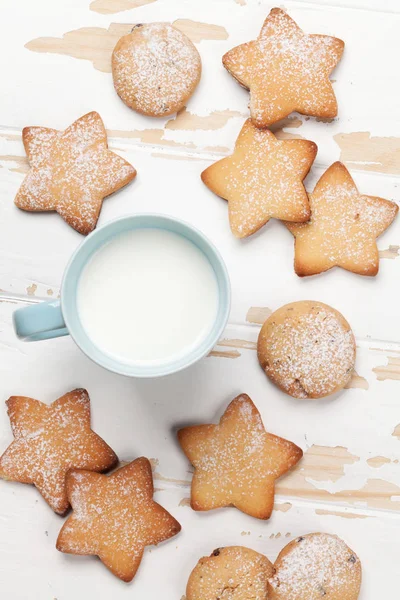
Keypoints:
pixel 198 32
pixel 343 515
pixel 185 120
pixel 389 371
pixel 96 43
pixel 360 150
pixel 376 462
pixel 87 43
pixel 107 7
pixel 349 481
pixel 391 252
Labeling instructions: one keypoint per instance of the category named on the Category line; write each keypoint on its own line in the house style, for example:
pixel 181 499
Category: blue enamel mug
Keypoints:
pixel 61 317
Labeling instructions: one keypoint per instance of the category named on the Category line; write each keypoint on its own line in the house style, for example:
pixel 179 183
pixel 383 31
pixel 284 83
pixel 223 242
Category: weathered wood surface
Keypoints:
pixel 55 68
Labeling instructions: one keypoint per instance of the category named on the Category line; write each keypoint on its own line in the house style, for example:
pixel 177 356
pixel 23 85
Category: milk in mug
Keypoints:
pixel 147 295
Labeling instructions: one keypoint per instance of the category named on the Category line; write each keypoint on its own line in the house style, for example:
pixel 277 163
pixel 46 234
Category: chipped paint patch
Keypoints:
pixel 11 137
pixel 225 353
pixel 31 289
pixel 108 7
pixel 198 32
pixel 319 464
pixel 283 507
pixel 357 382
pixel 391 252
pixel 154 463
pixel 96 44
pixel 287 123
pixel 21 162
pixel 154 137
pixel 188 121
pixel 396 431
pixel 374 349
pixel 220 149
pixel 361 151
pixel 184 502
pixel 237 343
pixel 376 493
pixel 378 461
pixel 258 314
pixel 389 371
pixel 325 463
pixel 245 533
pixel 344 515
pixel 88 43
pixel 174 156
pixel 50 292
pixel 180 482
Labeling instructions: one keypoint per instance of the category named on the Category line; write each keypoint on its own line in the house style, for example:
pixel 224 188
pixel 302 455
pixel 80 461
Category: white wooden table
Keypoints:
pixel 55 68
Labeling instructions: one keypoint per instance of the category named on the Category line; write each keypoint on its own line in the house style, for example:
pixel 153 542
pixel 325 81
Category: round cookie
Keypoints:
pixel 156 69
pixel 316 566
pixel 307 349
pixel 235 572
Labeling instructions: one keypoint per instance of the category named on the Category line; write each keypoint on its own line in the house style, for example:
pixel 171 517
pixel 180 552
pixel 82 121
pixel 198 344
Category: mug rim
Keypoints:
pixel 70 313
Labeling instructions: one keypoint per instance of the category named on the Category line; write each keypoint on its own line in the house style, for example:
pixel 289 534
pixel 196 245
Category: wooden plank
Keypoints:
pixel 36 247
pixel 338 487
pixel 339 435
pixel 56 68
pixel 50 67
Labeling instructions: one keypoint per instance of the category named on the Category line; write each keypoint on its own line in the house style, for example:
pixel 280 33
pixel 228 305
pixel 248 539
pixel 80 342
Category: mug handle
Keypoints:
pixel 39 322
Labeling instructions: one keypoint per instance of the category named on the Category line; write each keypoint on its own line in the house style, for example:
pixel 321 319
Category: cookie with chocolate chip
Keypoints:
pixel 156 69
pixel 307 349
pixel 233 572
pixel 314 567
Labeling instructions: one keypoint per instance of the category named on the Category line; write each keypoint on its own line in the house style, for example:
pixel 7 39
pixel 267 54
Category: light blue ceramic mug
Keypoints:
pixel 60 317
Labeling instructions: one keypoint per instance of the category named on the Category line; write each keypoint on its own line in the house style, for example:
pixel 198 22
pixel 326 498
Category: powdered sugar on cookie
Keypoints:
pixel 156 69
pixel 314 566
pixel 286 70
pixel 307 349
pixel 115 517
pixel 72 171
pixel 237 461
pixel 343 227
pixel 262 179
pixel 234 573
pixel 50 440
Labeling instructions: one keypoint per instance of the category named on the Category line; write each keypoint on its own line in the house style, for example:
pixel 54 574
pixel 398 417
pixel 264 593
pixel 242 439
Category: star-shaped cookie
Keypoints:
pixel 50 440
pixel 263 179
pixel 72 171
pixel 114 517
pixel 343 227
pixel 286 70
pixel 236 462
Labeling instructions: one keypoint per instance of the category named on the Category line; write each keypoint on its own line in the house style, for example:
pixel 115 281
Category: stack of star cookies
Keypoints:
pixel 287 70
pixel 114 517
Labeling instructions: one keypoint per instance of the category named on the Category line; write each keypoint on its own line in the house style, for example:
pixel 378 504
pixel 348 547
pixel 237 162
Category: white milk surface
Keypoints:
pixel 147 295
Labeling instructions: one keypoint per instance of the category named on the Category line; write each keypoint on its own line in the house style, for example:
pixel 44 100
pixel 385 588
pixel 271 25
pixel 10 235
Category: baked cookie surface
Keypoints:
pixel 263 179
pixel 156 69
pixel 237 462
pixel 286 70
pixel 115 517
pixel 49 441
pixel 315 566
pixel 343 227
pixel 71 172
pixel 234 572
pixel 307 349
